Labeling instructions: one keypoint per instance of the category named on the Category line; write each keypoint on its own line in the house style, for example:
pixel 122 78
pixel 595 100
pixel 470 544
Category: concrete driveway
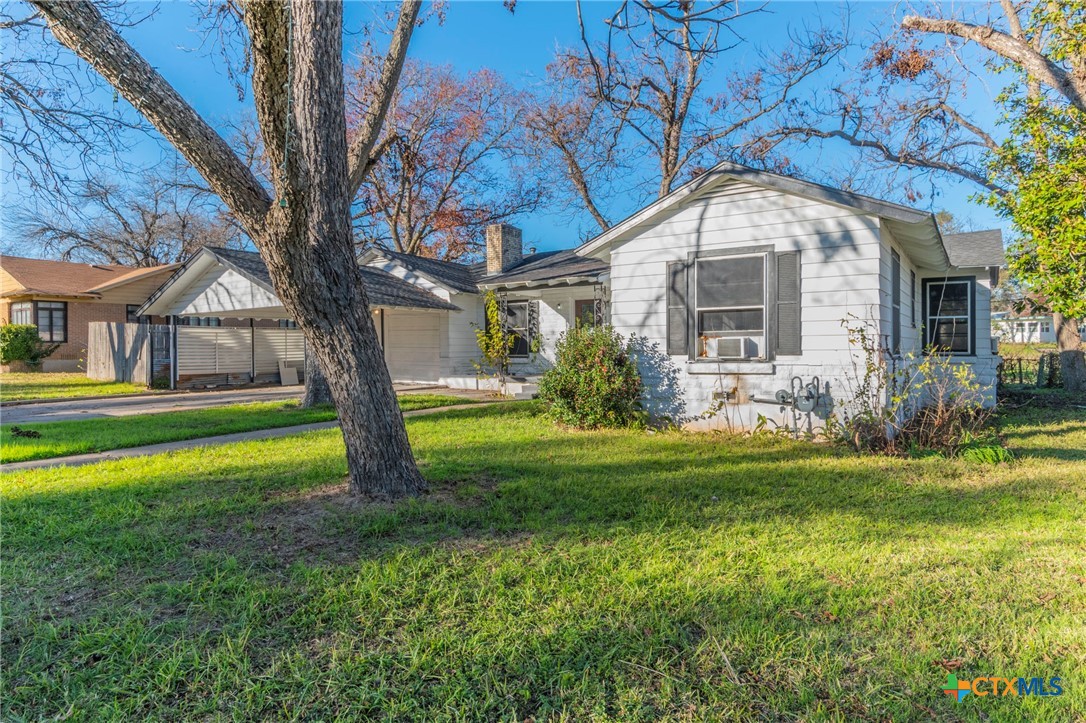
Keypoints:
pixel 63 410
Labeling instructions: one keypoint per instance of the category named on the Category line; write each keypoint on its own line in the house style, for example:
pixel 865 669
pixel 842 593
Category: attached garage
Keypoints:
pixel 410 340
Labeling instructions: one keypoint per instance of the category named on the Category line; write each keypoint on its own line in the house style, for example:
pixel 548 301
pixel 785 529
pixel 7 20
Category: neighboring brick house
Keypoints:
pixel 61 298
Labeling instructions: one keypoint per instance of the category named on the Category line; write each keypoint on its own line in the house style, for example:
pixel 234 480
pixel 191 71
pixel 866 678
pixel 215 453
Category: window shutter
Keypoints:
pixel 895 302
pixel 788 326
pixel 912 295
pixel 533 320
pixel 677 333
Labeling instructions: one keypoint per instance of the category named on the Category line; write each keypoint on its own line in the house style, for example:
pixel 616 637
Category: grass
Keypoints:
pixel 1025 350
pixel 60 439
pixel 59 385
pixel 551 575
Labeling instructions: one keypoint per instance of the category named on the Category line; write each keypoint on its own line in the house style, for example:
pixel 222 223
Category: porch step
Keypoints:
pixel 523 391
pixel 522 387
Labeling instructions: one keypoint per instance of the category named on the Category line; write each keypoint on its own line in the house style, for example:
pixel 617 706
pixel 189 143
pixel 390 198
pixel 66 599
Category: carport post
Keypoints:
pixel 173 351
pixel 252 351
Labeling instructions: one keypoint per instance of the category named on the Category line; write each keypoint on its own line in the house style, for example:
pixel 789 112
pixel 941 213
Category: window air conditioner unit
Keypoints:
pixel 731 347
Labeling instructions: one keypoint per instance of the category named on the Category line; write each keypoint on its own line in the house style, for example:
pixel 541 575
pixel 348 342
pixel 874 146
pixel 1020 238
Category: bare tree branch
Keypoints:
pixel 1017 50
pixel 360 154
pixel 78 25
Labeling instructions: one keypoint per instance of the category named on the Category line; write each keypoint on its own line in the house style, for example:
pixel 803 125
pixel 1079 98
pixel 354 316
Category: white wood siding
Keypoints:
pixel 840 259
pixel 222 292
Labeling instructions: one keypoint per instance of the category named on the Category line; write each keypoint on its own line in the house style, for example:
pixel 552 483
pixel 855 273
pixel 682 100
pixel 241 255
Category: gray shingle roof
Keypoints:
pixel 383 288
pixel 976 248
pixel 461 277
pixel 548 266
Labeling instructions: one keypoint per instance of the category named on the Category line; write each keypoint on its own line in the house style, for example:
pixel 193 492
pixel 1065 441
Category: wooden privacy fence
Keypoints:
pixel 205 356
pixel 138 353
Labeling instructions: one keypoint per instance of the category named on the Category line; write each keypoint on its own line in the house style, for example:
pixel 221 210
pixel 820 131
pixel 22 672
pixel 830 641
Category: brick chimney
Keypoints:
pixel 504 248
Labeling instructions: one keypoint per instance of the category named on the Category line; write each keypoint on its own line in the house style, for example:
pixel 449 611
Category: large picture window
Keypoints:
pixel 730 306
pixel 52 320
pixel 949 316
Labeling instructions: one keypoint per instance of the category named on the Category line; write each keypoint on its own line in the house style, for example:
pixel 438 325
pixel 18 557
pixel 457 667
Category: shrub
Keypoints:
pixel 495 343
pixel 912 405
pixel 594 381
pixel 21 343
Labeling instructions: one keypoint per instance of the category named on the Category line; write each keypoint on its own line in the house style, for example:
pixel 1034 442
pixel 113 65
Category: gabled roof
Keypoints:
pixel 383 288
pixel 46 277
pixel 916 228
pixel 549 267
pixel 976 248
pixel 450 274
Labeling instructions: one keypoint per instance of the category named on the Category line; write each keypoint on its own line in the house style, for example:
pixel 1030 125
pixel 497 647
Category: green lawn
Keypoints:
pixel 59 439
pixel 1024 350
pixel 550 575
pixel 18 386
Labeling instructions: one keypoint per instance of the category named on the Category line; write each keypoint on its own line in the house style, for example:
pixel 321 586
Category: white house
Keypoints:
pixel 1036 329
pixel 737 286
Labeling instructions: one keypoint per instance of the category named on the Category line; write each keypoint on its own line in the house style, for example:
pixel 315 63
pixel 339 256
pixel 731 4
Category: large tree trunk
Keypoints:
pixel 1072 359
pixel 317 391
pixel 309 249
pixel 304 235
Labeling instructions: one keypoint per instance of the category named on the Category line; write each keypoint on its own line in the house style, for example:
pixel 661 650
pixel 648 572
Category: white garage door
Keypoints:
pixel 412 345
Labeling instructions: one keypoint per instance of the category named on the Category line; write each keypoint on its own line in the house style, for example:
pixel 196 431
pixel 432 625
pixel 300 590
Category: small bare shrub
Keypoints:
pixel 911 404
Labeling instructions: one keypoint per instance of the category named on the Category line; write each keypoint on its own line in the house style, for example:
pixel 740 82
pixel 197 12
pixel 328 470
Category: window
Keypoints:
pixel 516 323
pixel 895 303
pixel 198 321
pixel 949 315
pixel 52 320
pixel 730 302
pixel 131 314
pixel 22 313
pixel 288 324
pixel 584 313
pixel 1045 327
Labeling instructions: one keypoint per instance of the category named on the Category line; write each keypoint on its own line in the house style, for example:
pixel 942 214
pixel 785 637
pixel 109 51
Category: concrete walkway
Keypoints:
pixel 78 460
pixel 63 410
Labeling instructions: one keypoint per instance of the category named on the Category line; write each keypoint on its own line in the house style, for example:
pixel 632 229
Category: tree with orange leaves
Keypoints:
pixel 450 164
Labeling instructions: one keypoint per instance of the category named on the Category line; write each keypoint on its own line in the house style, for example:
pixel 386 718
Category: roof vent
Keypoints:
pixel 531 250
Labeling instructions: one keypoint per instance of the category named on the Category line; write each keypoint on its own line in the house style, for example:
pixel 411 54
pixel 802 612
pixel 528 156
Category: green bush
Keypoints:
pixel 594 382
pixel 21 343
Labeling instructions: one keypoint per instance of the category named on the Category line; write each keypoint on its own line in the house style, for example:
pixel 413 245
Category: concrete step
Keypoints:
pixel 521 390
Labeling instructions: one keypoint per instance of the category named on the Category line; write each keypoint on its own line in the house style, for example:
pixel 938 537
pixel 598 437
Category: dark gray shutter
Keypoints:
pixel 912 296
pixel 533 320
pixel 788 327
pixel 895 302
pixel 677 336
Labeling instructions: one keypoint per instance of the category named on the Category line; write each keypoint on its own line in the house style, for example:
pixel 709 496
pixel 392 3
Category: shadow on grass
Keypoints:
pixel 259 542
pixel 504 480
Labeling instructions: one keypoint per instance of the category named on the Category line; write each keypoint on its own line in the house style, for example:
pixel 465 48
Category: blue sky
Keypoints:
pixel 478 34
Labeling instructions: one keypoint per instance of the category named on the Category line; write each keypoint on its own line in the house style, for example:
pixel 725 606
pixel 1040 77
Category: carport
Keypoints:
pixel 227 283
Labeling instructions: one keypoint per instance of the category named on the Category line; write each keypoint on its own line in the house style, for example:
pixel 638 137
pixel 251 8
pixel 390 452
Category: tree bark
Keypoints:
pixel 308 246
pixel 1072 358
pixel 305 237
pixel 317 391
